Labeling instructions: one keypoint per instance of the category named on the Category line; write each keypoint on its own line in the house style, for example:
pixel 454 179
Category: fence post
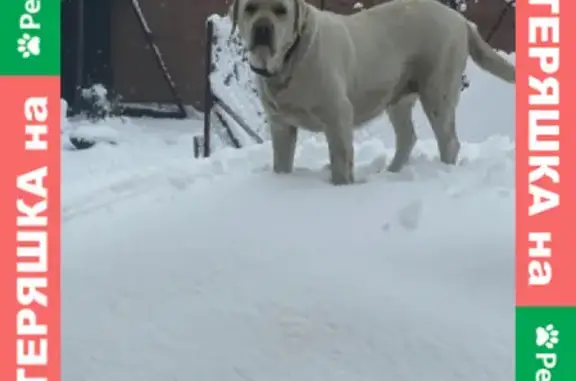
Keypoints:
pixel 208 96
pixel 77 105
pixel 322 4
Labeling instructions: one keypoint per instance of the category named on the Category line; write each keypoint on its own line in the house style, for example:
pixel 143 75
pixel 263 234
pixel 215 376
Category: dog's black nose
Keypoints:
pixel 262 34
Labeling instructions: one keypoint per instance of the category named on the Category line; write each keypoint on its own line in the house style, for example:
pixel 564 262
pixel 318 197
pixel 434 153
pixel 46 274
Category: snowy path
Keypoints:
pixel 252 276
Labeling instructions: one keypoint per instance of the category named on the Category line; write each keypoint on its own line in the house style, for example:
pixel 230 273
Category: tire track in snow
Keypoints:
pixel 153 182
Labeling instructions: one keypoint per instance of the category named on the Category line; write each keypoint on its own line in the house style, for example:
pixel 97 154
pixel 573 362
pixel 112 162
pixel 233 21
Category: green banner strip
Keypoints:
pixel 30 37
pixel 546 343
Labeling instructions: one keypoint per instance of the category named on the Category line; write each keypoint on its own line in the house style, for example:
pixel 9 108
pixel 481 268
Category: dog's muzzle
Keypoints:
pixel 262 32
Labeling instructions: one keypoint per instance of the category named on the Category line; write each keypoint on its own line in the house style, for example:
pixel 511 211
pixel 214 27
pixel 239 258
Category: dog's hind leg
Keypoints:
pixel 448 142
pixel 441 115
pixel 283 146
pixel 400 115
pixel 439 99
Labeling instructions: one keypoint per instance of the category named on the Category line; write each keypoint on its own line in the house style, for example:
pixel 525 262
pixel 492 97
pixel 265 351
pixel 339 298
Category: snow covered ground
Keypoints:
pixel 219 270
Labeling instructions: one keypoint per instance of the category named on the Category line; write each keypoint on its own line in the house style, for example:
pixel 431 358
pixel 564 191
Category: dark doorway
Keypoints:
pixel 85 26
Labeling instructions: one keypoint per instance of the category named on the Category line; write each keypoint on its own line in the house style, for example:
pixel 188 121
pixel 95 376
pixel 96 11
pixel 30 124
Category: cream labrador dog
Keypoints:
pixel 331 73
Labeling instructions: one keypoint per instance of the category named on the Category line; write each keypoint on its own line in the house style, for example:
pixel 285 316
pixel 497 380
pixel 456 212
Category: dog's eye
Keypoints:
pixel 250 8
pixel 280 10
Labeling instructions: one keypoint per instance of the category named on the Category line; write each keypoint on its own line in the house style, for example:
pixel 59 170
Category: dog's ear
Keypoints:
pixel 233 14
pixel 296 15
pixel 299 14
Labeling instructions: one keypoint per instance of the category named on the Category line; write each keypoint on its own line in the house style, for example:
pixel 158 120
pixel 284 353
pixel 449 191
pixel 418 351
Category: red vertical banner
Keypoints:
pixel 30 226
pixel 545 190
pixel 545 153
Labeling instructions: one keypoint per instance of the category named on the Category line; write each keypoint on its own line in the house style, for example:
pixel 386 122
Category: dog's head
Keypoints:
pixel 268 28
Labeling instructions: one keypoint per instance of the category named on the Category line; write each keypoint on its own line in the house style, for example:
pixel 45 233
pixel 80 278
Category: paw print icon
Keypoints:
pixel 547 336
pixel 29 45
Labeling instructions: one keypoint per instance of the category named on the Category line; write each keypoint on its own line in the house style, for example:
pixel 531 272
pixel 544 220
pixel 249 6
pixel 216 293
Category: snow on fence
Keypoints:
pixel 233 111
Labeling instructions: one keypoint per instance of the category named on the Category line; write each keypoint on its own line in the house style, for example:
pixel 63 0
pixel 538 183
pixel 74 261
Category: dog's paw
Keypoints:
pixel 282 170
pixel 342 180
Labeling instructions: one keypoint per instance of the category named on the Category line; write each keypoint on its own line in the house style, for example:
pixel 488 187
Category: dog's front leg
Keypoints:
pixel 340 136
pixel 283 146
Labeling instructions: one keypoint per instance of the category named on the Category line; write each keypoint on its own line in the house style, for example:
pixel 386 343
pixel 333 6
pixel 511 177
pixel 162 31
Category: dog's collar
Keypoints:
pixel 264 72
pixel 261 72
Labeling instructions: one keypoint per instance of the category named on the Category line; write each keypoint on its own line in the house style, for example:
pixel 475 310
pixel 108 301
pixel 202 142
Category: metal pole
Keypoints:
pixel 208 96
pixel 238 120
pixel 79 58
pixel 158 56
pixel 498 22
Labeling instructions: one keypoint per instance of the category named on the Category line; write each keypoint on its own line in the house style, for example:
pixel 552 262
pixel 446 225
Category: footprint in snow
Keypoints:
pixel 409 216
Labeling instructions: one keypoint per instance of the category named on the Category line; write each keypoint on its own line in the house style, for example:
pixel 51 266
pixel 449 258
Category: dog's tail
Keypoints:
pixel 485 57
